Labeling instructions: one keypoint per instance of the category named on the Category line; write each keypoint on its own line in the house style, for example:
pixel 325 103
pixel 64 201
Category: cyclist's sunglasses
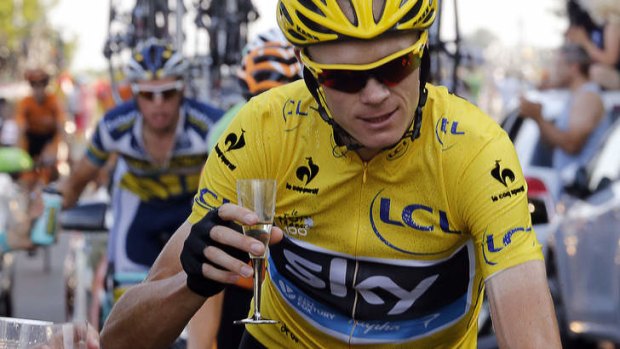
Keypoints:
pixel 349 78
pixel 165 91
pixel 39 83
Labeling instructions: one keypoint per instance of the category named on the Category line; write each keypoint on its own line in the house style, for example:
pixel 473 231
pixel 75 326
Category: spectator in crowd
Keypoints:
pixel 601 43
pixel 582 122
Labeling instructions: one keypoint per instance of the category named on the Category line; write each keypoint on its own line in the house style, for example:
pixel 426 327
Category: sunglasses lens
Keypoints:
pixel 353 81
pixel 41 83
pixel 167 94
pixel 146 95
pixel 344 80
pixel 395 71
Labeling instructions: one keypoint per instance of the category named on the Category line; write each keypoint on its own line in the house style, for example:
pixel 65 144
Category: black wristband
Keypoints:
pixel 192 255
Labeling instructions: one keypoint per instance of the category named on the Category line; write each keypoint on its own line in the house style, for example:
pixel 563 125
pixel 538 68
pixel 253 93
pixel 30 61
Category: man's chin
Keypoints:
pixel 380 142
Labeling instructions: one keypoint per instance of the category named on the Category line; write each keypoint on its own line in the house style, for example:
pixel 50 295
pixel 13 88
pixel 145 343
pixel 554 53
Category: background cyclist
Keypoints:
pixel 40 121
pixel 160 139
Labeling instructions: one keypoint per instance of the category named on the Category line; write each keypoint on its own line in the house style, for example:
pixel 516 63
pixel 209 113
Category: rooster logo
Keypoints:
pixel 233 143
pixel 307 173
pixel 502 175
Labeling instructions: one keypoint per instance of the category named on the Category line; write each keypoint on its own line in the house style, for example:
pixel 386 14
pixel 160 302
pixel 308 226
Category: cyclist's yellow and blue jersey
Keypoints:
pixel 386 253
pixel 149 201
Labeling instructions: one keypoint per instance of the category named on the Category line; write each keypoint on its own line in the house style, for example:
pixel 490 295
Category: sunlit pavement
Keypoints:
pixel 37 293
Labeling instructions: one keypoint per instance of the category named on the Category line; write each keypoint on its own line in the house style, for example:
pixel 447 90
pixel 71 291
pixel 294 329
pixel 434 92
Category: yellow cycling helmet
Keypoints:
pixel 307 22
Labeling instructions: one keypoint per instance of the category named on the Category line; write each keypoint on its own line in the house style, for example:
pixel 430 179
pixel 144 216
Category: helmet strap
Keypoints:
pixel 342 137
pixel 425 68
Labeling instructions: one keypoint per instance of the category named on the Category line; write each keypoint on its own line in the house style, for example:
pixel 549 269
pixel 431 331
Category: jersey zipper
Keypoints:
pixel 365 169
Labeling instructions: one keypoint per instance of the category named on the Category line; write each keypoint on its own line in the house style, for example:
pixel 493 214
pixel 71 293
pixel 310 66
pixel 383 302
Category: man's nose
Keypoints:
pixel 374 92
pixel 158 98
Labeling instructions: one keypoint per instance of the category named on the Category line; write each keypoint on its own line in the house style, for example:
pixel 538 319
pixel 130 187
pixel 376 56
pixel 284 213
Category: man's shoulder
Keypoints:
pixel 457 128
pixel 200 117
pixel 295 90
pixel 121 117
pixel 203 109
pixel 451 111
pixel 289 100
pixel 26 101
pixel 125 107
pixel 286 106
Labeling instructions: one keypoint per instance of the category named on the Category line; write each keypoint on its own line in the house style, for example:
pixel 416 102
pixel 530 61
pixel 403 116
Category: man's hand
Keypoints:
pixel 530 110
pixel 577 35
pixel 216 252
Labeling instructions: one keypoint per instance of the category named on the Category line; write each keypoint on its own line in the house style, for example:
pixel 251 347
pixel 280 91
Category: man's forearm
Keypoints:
pixel 151 314
pixel 558 138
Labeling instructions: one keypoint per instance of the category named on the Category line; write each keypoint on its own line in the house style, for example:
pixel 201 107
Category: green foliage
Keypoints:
pixel 32 11
pixel 18 18
pixel 7 29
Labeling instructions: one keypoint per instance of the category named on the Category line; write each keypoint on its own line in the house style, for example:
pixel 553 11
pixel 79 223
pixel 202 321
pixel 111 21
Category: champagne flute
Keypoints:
pixel 18 333
pixel 258 195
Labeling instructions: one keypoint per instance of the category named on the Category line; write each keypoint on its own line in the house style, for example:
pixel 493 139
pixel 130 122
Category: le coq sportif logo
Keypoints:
pixel 502 175
pixel 231 142
pixel 234 142
pixel 307 173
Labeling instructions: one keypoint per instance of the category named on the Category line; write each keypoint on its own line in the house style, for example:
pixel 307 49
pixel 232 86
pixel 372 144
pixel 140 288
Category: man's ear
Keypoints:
pixel 297 51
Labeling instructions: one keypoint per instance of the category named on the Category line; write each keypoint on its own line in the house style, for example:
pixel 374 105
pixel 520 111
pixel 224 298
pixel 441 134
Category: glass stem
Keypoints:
pixel 257 264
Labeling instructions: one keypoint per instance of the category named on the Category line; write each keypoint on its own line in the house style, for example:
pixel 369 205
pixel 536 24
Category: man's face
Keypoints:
pixel 38 88
pixel 377 115
pixel 561 71
pixel 159 102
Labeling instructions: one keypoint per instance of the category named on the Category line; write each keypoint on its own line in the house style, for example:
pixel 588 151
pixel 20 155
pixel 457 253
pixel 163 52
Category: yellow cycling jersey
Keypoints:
pixel 387 253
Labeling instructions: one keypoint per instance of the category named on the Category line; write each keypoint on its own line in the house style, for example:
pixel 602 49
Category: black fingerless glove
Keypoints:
pixel 192 255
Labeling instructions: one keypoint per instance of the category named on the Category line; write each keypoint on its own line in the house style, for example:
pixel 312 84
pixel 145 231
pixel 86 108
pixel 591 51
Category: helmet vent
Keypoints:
pixel 285 13
pixel 377 16
pixel 427 15
pixel 414 11
pixel 312 25
pixel 296 35
pixel 312 7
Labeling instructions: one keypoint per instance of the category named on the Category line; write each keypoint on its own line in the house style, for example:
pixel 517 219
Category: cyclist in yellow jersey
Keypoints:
pixel 398 204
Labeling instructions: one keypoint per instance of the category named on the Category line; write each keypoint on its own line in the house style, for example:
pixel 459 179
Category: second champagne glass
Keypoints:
pixel 258 195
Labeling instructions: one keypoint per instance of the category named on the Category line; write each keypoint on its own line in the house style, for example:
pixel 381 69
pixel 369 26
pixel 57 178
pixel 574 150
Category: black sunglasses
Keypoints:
pixel 389 74
pixel 39 83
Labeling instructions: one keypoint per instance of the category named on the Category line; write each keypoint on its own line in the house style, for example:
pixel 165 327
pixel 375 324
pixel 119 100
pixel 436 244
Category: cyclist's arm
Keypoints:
pixel 136 319
pixel 203 328
pixel 521 307
pixel 71 189
pixel 152 314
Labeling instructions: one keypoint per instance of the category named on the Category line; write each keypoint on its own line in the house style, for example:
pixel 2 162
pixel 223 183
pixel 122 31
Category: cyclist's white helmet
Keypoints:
pixel 155 59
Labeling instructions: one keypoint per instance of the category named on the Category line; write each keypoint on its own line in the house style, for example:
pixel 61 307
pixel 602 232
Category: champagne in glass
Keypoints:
pixel 258 195
pixel 261 232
